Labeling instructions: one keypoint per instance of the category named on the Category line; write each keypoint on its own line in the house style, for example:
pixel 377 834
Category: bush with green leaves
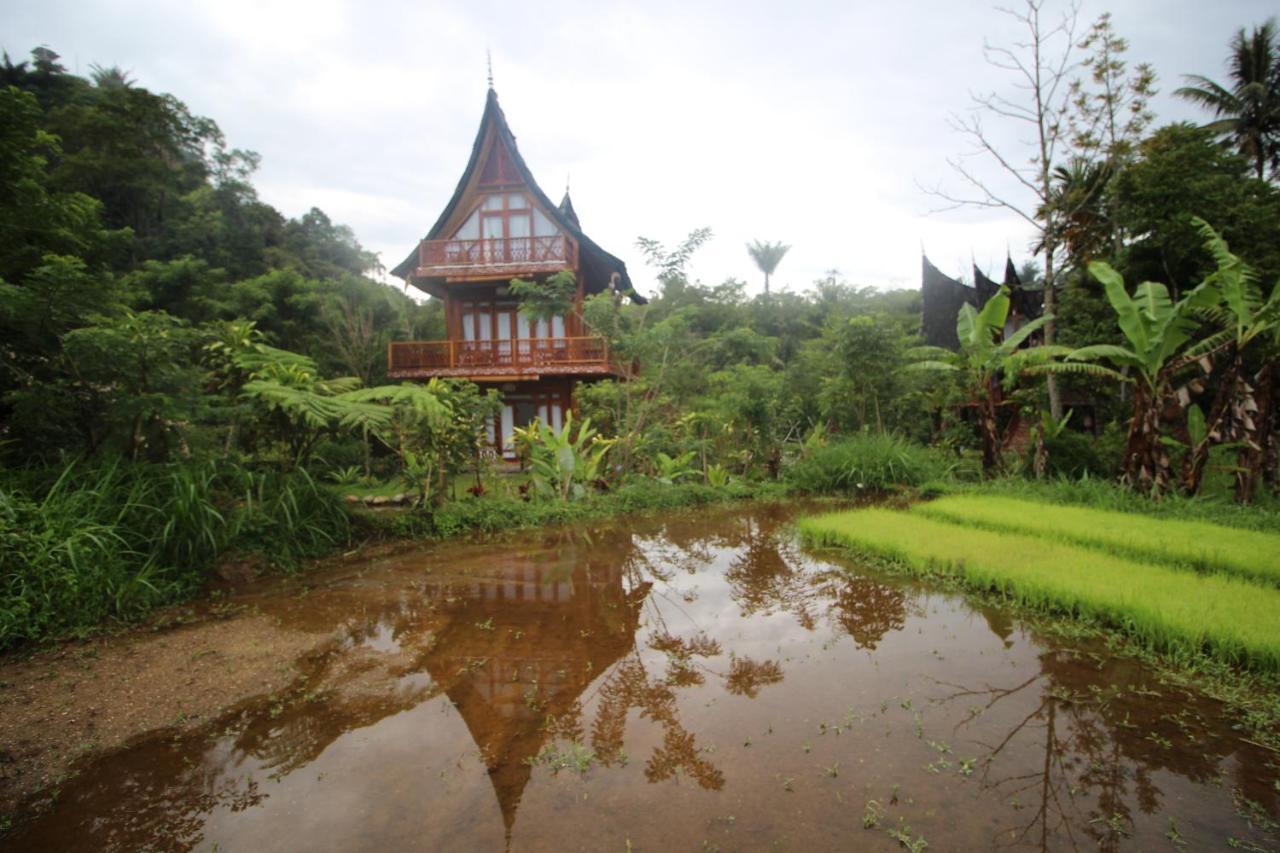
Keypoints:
pixel 564 463
pixel 866 463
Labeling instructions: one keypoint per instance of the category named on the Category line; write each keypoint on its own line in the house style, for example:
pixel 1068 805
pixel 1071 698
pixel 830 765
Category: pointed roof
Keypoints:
pixel 1027 301
pixel 598 264
pixel 1011 278
pixel 566 208
pixel 986 287
pixel 941 298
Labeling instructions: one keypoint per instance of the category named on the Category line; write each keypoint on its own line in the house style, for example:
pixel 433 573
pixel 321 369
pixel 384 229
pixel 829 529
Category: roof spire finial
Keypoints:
pixel 566 183
pixel 488 59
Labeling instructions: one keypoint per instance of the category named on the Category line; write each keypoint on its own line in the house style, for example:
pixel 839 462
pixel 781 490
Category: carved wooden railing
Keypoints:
pixel 555 252
pixel 521 354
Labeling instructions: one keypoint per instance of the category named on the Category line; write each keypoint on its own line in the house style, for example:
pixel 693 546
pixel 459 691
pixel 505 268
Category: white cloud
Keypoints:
pixel 812 124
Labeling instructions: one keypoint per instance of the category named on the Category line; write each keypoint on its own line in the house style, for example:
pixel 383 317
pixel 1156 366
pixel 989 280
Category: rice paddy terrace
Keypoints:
pixel 704 681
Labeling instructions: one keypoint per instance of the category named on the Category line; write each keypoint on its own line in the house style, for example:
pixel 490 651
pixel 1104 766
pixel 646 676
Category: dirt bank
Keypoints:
pixel 78 699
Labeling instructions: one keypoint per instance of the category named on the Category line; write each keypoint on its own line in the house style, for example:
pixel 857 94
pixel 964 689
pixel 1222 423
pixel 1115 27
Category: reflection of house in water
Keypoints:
pixel 521 646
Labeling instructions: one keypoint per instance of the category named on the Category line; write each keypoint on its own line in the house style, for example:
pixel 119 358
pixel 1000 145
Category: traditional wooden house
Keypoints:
pixel 942 297
pixel 499 225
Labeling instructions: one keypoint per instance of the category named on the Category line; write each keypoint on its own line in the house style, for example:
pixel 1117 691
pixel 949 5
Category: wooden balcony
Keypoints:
pixel 523 358
pixel 497 257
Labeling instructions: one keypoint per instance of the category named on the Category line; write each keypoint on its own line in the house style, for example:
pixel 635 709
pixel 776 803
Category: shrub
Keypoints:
pixel 870 462
pixel 1071 454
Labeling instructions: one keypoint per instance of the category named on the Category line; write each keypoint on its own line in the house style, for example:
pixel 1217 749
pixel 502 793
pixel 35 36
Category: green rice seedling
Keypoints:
pixel 1172 611
pixel 1197 544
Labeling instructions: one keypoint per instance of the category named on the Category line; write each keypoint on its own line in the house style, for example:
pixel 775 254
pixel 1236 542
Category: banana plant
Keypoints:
pixel 565 462
pixel 1159 333
pixel 988 363
pixel 1234 415
pixel 672 469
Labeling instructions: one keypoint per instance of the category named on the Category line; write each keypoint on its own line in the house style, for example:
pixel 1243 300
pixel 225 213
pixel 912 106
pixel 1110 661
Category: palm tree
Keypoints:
pixel 1078 210
pixel 110 78
pixel 767 257
pixel 1250 110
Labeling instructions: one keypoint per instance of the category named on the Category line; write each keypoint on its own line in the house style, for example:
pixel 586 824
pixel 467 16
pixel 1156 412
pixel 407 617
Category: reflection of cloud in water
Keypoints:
pixel 665 651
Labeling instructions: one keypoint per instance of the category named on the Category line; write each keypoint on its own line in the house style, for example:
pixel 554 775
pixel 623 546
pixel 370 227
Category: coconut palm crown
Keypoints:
pixel 767 257
pixel 1248 111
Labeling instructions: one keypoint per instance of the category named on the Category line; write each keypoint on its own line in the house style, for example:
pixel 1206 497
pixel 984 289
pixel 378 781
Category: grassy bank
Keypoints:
pixel 493 513
pixel 1171 610
pixel 113 542
pixel 1196 544
pixel 87 547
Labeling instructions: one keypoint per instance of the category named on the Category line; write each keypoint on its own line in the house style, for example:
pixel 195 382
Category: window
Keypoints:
pixel 520 410
pixel 501 320
pixel 510 221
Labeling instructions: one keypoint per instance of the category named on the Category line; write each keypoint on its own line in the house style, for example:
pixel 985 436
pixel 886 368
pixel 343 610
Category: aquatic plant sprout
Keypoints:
pixel 1169 609
pixel 1199 545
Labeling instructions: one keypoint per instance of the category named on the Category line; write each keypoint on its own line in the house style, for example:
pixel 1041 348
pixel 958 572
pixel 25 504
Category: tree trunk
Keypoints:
pixel 1041 462
pixel 1216 426
pixel 1146 461
pixel 1258 434
pixel 1050 331
pixel 990 434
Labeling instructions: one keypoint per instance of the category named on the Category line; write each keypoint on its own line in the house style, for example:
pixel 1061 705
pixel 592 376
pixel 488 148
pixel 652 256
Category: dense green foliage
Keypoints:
pixel 115 541
pixel 1170 609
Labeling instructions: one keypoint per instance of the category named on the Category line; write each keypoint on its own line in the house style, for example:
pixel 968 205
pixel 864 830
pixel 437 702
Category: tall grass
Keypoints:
pixel 115 541
pixel 867 463
pixel 1170 610
pixel 1197 544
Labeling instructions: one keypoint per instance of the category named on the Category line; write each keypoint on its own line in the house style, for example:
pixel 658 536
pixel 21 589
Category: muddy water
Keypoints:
pixel 689 682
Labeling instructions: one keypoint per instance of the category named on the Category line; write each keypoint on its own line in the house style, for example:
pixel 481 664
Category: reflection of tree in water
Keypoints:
pixel 1086 744
pixel 629 686
pixel 865 608
pixel 763 581
pixel 770 576
pixel 746 676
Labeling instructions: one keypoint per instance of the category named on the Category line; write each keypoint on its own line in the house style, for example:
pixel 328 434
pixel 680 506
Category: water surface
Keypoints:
pixel 694 681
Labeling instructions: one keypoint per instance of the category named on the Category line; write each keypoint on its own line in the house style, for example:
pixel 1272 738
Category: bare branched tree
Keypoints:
pixel 1041 63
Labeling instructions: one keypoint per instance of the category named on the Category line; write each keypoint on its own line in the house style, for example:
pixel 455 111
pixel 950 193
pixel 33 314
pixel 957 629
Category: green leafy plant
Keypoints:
pixel 1159 334
pixel 989 363
pixel 718 476
pixel 672 469
pixel 565 461
pixel 866 463
pixel 347 476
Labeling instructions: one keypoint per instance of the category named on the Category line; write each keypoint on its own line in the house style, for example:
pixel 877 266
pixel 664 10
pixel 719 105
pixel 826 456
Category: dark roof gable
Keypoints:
pixel 942 297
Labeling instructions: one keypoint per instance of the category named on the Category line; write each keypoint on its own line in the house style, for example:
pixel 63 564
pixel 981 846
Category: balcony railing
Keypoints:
pixel 461 257
pixel 522 356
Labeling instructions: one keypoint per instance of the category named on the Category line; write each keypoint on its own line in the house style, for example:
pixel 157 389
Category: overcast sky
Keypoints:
pixel 810 123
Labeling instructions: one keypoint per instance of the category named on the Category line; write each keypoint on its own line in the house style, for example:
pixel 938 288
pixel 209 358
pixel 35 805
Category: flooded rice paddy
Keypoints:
pixel 689 682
